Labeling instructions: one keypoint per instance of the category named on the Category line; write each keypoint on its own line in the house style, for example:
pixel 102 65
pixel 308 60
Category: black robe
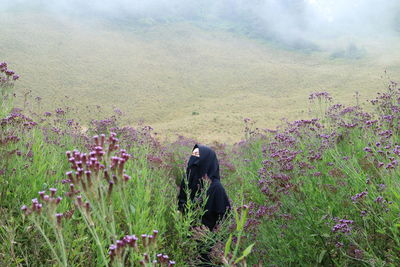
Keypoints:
pixel 217 204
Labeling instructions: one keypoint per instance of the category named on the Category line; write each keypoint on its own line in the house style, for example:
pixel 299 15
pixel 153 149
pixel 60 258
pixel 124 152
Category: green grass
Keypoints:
pixel 183 79
pixel 297 232
pixel 163 73
pixel 292 210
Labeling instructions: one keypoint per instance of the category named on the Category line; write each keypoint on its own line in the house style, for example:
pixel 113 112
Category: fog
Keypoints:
pixel 297 23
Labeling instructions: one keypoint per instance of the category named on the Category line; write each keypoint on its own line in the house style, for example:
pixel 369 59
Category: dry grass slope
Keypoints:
pixel 164 73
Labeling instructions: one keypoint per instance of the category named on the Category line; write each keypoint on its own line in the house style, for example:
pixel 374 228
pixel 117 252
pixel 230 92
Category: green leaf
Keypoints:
pixel 326 235
pixel 19 260
pixel 246 252
pixel 133 210
pixel 243 218
pixel 396 194
pixel 237 220
pixel 381 231
pixel 321 256
pixel 228 245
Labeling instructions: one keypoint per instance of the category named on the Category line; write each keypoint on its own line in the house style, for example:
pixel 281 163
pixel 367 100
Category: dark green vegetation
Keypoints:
pixel 322 191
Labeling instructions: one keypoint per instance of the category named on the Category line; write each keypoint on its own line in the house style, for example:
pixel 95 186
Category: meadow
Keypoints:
pixel 98 118
pixel 314 192
pixel 182 77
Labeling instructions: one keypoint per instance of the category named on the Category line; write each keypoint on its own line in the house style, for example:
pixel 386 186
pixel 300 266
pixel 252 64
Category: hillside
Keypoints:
pixel 166 74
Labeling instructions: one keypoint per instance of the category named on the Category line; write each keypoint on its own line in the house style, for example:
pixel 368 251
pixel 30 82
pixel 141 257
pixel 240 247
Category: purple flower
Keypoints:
pixel 120 243
pixel 343 226
pixel 130 240
pixel 112 250
pixel 146 257
pixel 126 177
pixel 320 96
pixel 368 149
pixel 41 194
pixel 390 166
pixel 53 191
pixel 110 186
pixel 60 111
pixel 87 206
pixel 155 233
pixel 317 174
pixel 59 217
pixel 363 213
pixel 339 244
pixel 359 196
pixel 39 207
pixel 358 253
pixel 381 187
pixel 79 199
pixel 396 150
pixel 144 240
pixel 9 72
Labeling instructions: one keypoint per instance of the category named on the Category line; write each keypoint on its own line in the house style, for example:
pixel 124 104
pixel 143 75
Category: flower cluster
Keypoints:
pixel 7 76
pixel 129 136
pixel 359 196
pixel 119 246
pixel 49 202
pixel 16 118
pixel 320 96
pixel 348 117
pixel 342 226
pixel 122 247
pixel 89 167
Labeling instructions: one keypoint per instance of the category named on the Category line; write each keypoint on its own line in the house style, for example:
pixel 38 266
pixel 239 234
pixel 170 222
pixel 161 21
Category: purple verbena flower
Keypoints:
pixel 343 226
pixel 359 196
pixel 53 192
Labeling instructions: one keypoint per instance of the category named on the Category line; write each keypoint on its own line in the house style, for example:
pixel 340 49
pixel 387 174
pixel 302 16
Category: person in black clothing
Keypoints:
pixel 203 164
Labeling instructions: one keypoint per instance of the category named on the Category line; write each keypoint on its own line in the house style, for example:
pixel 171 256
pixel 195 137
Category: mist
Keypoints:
pixel 295 23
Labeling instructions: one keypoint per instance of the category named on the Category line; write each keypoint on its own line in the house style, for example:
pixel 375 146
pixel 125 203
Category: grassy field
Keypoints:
pixel 178 77
pixel 315 192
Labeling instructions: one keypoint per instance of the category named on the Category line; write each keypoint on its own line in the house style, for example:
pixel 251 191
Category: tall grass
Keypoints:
pixel 322 191
pixel 327 194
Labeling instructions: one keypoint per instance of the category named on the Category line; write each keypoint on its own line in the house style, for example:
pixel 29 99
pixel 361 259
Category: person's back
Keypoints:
pixel 217 204
pixel 203 164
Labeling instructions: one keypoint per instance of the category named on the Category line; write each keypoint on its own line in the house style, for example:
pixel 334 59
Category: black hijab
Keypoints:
pixel 198 167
